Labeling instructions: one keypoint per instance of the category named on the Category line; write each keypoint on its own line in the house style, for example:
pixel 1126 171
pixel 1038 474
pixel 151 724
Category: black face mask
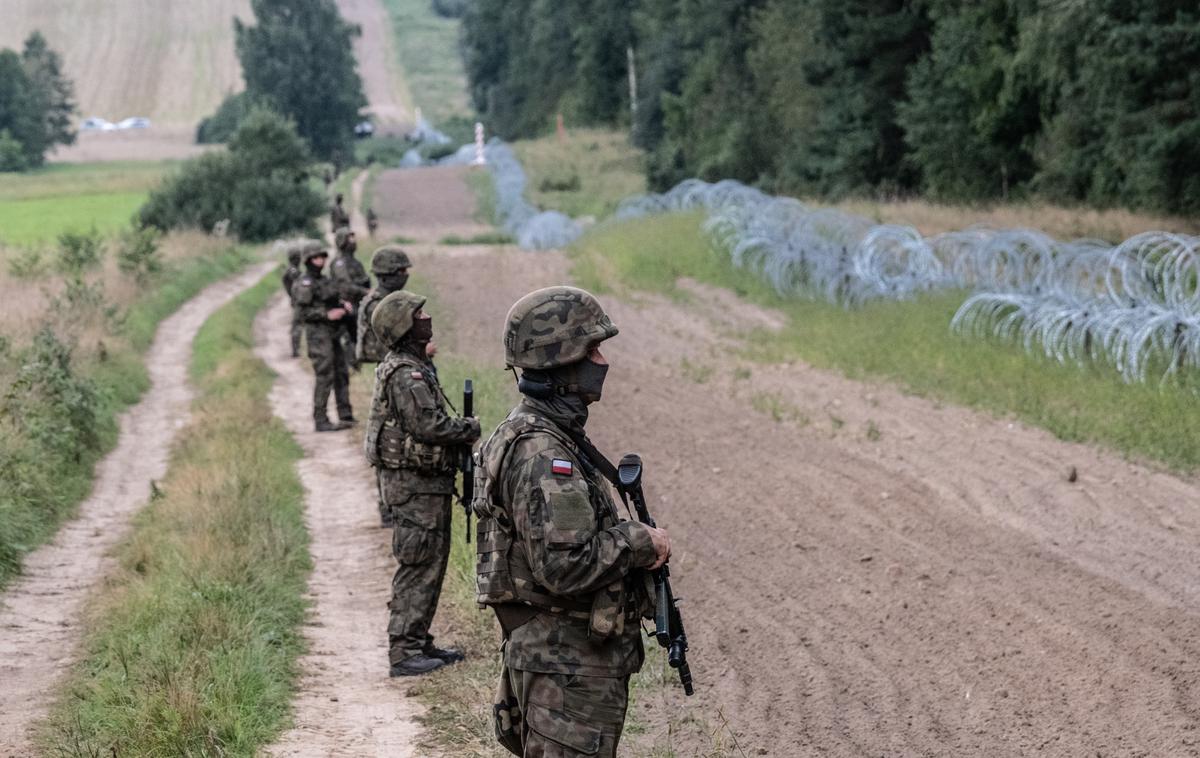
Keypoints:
pixel 350 248
pixel 584 379
pixel 422 330
pixel 393 282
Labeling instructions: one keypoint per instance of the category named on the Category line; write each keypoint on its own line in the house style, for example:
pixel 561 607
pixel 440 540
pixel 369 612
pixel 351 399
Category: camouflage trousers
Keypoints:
pixel 329 366
pixel 560 715
pixel 297 331
pixel 421 546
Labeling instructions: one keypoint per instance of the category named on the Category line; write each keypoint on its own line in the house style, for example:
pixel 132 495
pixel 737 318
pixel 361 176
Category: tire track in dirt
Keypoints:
pixel 40 614
pixel 933 587
pixel 346 705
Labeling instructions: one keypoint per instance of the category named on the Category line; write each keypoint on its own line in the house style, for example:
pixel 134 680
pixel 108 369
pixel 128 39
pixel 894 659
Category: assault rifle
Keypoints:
pixel 468 460
pixel 668 624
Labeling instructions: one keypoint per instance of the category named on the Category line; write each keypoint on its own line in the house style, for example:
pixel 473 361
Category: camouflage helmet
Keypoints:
pixel 389 259
pixel 294 251
pixel 312 249
pixel 393 317
pixel 341 235
pixel 554 327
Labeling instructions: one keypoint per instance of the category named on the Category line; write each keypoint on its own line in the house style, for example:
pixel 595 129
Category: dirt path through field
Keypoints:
pixel 427 204
pixel 40 613
pixel 869 573
pixel 383 79
pixel 346 706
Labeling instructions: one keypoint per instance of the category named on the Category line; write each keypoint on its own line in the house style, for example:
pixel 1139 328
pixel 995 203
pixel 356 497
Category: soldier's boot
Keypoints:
pixel 325 425
pixel 445 656
pixel 416 665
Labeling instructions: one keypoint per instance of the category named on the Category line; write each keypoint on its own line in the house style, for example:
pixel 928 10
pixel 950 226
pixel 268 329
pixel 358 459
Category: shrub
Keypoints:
pixel 220 126
pixel 79 251
pixel 138 254
pixel 12 153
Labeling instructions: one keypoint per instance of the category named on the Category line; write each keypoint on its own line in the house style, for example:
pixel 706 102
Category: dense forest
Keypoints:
pixel 1094 101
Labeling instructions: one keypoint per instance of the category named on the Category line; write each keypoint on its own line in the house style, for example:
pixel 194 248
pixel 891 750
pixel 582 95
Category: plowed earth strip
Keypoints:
pixel 874 573
pixel 40 614
pixel 346 705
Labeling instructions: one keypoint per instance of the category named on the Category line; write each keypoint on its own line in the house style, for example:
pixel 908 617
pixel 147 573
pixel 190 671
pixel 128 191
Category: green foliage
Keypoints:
pixel 220 126
pixel 451 8
pixel 299 59
pixel 36 105
pixel 58 416
pixel 193 643
pixel 79 251
pixel 907 342
pixel 259 184
pixel 138 255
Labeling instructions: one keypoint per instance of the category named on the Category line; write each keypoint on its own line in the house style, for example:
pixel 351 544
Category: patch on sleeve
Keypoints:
pixel 562 467
pixel 417 375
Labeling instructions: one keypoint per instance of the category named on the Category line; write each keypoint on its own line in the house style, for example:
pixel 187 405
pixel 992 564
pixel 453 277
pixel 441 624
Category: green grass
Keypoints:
pixel 587 174
pixel 909 343
pixel 42 483
pixel 484 189
pixel 427 46
pixel 486 238
pixel 37 206
pixel 191 646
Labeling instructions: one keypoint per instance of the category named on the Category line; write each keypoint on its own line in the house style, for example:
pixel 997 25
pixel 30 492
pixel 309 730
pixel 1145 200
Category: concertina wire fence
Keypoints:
pixel 1134 306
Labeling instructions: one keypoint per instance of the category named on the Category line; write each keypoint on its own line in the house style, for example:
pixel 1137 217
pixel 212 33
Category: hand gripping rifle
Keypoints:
pixel 468 460
pixel 668 624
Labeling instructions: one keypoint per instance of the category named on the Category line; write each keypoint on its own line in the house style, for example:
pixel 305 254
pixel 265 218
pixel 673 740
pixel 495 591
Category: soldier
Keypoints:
pixel 390 265
pixel 560 568
pixel 372 222
pixel 318 306
pixel 353 285
pixel 337 215
pixel 290 275
pixel 416 446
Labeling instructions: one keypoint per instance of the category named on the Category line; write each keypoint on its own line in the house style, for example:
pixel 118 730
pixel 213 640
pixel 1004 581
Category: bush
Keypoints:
pixel 79 251
pixel 259 185
pixel 138 255
pixel 12 153
pixel 560 183
pixel 220 126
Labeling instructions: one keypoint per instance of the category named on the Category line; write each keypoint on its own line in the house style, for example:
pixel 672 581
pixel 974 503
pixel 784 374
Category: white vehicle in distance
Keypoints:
pixel 97 124
pixel 135 122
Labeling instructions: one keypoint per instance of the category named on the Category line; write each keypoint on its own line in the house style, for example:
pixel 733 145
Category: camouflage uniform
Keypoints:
pixel 556 561
pixel 338 216
pixel 353 285
pixel 390 265
pixel 290 275
pixel 415 445
pixel 313 297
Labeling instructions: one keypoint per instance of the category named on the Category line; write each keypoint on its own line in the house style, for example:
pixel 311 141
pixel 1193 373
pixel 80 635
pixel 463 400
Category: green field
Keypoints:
pixel 36 207
pixel 427 45
pixel 588 173
pixel 909 343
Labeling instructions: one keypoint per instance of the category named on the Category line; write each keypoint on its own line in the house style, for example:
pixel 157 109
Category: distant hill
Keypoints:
pixel 169 60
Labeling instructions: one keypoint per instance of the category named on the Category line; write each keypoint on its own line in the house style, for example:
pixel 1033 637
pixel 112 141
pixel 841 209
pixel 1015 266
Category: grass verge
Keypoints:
pixel 60 411
pixel 427 45
pixel 586 174
pixel 909 343
pixel 192 644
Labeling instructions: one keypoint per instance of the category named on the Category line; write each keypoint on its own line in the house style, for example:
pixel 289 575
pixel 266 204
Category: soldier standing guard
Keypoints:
pixel 337 215
pixel 416 446
pixel 318 306
pixel 353 285
pixel 390 266
pixel 557 564
pixel 290 275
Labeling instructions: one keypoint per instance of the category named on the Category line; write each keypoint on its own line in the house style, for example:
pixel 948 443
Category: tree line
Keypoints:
pixel 1094 101
pixel 37 105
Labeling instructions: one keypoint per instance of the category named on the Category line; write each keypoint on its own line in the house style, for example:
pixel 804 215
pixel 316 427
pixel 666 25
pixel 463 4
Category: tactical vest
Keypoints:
pixel 387 444
pixel 369 349
pixel 502 573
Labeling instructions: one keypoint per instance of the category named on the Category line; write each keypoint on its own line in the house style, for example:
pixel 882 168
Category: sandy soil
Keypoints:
pixel 155 144
pixel 874 573
pixel 40 612
pixel 426 204
pixel 383 82
pixel 346 706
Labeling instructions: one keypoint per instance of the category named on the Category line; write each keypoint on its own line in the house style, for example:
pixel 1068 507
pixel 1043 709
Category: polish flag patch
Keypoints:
pixel 561 467
pixel 417 375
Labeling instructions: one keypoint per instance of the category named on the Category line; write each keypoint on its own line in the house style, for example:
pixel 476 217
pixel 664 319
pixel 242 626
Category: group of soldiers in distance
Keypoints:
pixel 565 574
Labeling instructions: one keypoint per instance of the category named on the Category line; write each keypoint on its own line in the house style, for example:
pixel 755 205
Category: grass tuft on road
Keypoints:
pixel 192 644
pixel 909 343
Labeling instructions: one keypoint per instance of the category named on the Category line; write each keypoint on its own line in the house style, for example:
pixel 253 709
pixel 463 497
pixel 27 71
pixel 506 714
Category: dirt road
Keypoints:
pixel 383 82
pixel 40 613
pixel 346 706
pixel 426 204
pixel 873 573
